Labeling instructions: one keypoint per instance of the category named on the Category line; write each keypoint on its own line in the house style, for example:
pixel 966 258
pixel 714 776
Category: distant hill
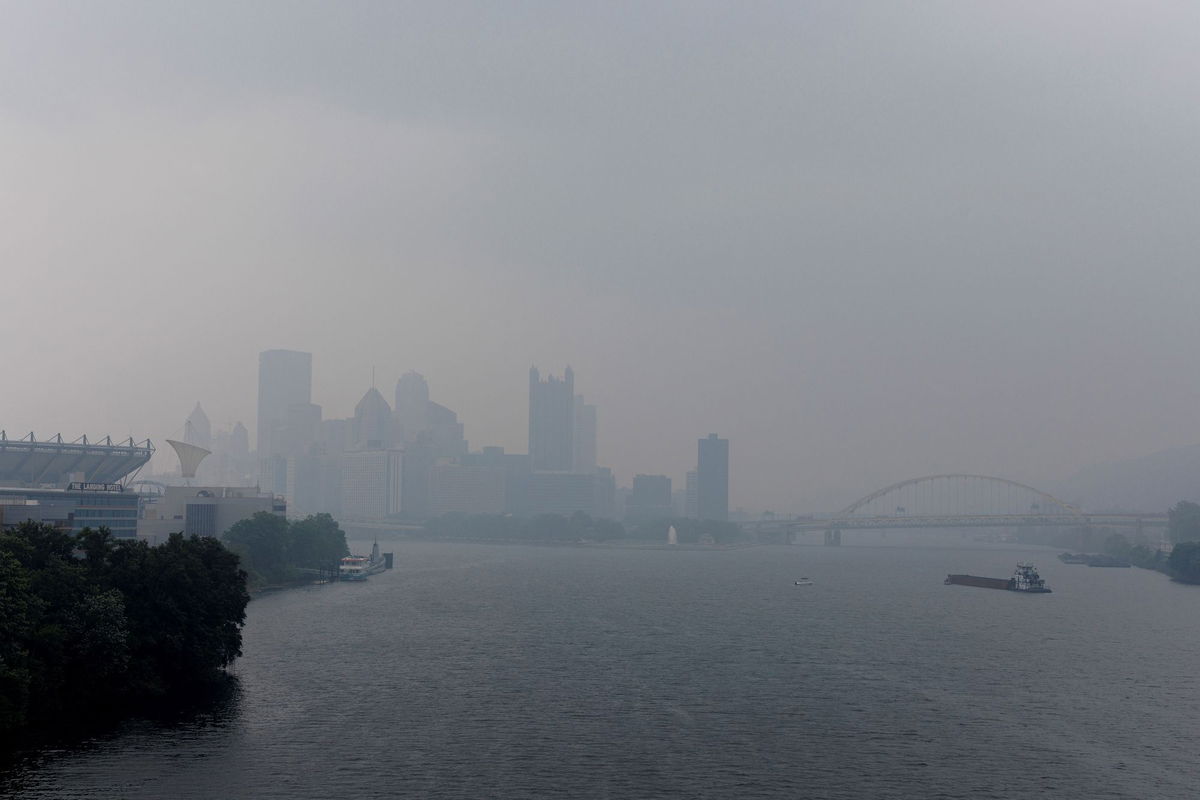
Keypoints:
pixel 1150 484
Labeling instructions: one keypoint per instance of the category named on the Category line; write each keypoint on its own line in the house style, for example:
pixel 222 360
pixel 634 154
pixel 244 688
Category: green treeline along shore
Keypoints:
pixel 1183 530
pixel 93 628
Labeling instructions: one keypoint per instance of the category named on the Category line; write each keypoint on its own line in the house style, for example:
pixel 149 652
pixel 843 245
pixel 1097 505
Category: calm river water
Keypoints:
pixel 475 671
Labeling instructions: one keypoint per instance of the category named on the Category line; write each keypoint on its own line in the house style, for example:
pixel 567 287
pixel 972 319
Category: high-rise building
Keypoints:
pixel 372 483
pixel 446 432
pixel 585 436
pixel 459 488
pixel 284 380
pixel 691 508
pixel 712 478
pixel 372 426
pixel 552 421
pixel 197 429
pixel 412 405
pixel 650 498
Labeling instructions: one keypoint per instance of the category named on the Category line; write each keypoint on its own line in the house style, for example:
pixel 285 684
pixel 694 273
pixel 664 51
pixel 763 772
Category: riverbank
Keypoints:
pixel 618 545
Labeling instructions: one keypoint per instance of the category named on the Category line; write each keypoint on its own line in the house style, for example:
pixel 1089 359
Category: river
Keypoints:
pixel 475 671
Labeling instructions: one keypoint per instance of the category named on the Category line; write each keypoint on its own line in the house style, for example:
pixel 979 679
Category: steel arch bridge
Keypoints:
pixel 955 500
pixel 961 493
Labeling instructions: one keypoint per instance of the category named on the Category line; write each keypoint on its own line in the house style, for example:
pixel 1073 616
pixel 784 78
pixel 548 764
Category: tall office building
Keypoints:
pixel 691 508
pixel 712 478
pixel 412 405
pixel 284 380
pixel 552 421
pixel 372 483
pixel 372 425
pixel 197 429
pixel 585 436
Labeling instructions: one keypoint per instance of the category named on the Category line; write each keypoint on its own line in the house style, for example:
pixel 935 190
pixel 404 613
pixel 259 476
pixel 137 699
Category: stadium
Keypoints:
pixel 71 484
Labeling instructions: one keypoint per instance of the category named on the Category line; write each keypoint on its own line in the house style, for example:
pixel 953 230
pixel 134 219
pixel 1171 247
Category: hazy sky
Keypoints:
pixel 865 241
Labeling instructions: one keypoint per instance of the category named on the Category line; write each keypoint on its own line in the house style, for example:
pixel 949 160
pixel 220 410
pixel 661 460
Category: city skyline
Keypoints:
pixel 804 228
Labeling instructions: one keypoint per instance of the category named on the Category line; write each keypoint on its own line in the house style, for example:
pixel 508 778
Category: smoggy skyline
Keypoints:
pixel 861 241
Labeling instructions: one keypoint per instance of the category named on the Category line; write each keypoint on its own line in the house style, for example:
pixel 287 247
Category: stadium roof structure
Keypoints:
pixel 28 462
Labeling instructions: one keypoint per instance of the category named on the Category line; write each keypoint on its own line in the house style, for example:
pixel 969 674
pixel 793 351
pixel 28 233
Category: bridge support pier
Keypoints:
pixel 833 537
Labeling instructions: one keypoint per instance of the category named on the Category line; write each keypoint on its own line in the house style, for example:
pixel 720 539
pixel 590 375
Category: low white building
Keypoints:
pixel 202 510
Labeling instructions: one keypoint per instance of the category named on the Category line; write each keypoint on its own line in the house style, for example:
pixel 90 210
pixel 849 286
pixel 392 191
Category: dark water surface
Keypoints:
pixel 475 671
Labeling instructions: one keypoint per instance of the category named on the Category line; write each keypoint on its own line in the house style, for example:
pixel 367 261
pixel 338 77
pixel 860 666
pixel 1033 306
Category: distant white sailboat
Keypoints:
pixel 672 536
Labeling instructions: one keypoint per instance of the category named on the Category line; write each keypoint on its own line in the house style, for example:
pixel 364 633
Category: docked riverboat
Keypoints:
pixel 359 568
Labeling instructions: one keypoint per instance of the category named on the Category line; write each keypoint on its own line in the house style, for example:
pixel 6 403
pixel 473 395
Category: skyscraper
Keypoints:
pixel 197 429
pixel 284 380
pixel 552 421
pixel 585 436
pixel 372 426
pixel 412 405
pixel 691 495
pixel 712 478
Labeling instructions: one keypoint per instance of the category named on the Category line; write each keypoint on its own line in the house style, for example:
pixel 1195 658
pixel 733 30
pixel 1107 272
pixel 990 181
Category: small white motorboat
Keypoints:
pixel 804 582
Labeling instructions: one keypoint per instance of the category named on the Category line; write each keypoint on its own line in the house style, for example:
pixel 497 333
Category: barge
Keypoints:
pixel 1025 579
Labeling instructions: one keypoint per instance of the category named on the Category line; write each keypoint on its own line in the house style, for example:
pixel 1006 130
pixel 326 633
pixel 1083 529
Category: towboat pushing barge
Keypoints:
pixel 1025 579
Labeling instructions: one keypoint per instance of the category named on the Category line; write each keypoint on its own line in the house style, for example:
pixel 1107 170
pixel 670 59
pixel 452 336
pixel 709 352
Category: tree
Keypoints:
pixel 1184 563
pixel 91 624
pixel 1117 545
pixel 262 542
pixel 1183 522
pixel 316 541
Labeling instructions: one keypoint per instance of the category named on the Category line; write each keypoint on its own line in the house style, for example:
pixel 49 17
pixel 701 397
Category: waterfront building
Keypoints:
pixel 562 493
pixel 202 510
pixel 516 469
pixel 552 421
pixel 650 498
pixel 606 493
pixel 372 483
pixel 691 506
pixel 712 478
pixel 466 489
pixel 80 505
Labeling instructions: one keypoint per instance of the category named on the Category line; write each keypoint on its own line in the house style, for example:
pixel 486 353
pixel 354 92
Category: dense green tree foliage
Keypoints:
pixel 90 624
pixel 1184 563
pixel 1137 553
pixel 1183 522
pixel 274 550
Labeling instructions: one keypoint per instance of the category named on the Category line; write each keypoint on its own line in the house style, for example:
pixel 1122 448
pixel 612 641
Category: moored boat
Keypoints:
pixel 359 568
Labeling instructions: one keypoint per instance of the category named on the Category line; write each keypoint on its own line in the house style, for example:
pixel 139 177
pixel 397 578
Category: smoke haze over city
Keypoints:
pixel 862 241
